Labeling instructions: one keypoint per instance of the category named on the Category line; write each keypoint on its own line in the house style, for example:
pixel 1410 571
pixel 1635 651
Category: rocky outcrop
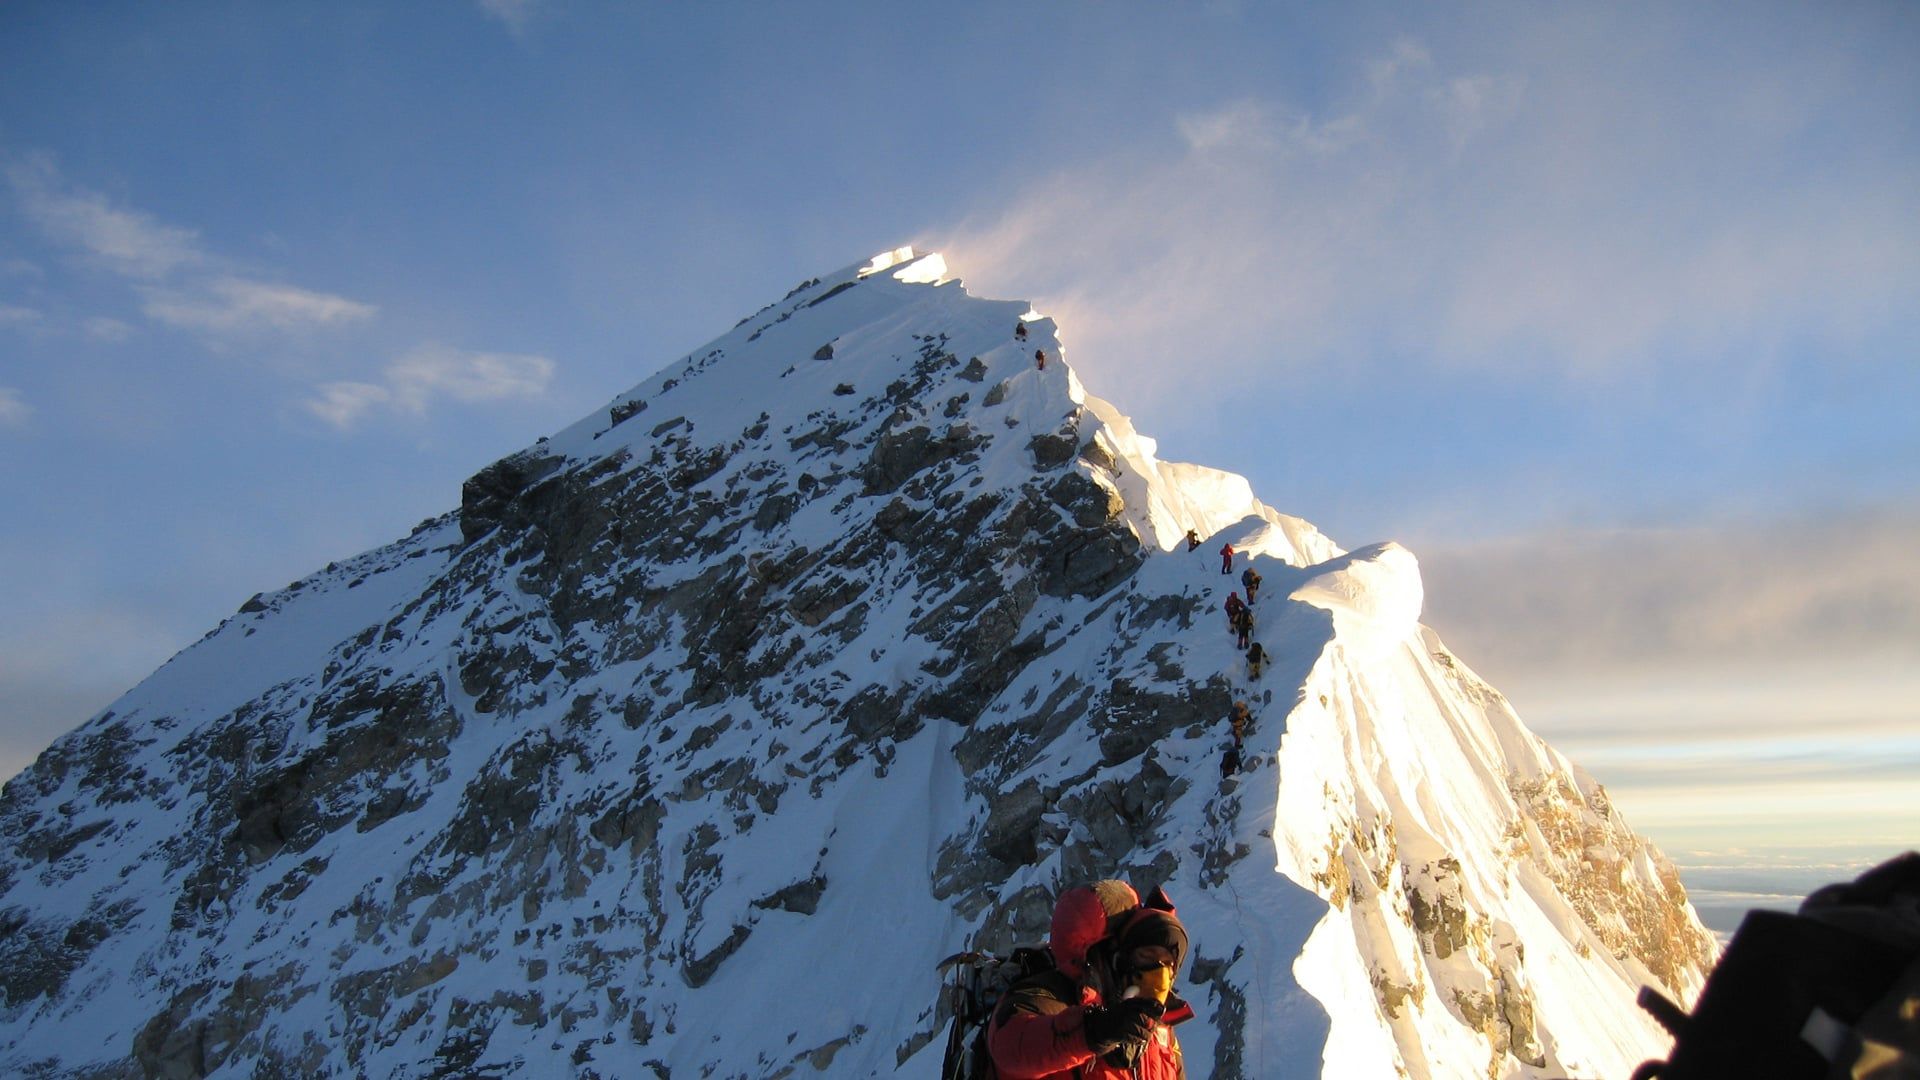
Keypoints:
pixel 1584 846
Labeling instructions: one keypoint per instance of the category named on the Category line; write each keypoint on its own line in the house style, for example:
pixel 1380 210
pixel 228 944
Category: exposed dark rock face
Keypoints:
pixel 898 456
pixel 623 411
pixel 487 494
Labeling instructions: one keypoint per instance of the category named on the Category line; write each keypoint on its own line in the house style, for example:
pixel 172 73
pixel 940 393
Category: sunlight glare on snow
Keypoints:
pixel 929 270
pixel 889 259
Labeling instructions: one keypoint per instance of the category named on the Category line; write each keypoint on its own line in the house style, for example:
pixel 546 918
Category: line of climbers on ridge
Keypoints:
pixel 1240 624
pixel 1039 355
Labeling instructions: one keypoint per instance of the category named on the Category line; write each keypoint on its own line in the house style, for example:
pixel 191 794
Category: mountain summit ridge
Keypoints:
pixel 705 726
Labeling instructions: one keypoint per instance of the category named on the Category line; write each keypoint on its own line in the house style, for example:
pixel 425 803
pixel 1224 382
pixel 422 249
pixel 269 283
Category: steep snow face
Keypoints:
pixel 1374 596
pixel 703 728
pixel 1166 499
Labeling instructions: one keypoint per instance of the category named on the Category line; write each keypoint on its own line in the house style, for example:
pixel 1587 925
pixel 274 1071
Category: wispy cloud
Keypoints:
pixel 434 371
pixel 125 241
pixel 14 410
pixel 1482 211
pixel 416 380
pixel 182 285
pixel 1387 72
pixel 516 14
pixel 228 305
pixel 1473 104
pixel 342 404
pixel 105 328
pixel 15 315
pixel 180 282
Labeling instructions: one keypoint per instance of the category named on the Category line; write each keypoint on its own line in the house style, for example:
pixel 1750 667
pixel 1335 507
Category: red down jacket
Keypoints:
pixel 1037 1032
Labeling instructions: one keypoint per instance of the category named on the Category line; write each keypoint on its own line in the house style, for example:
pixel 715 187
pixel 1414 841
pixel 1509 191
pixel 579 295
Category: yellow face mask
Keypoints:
pixel 1156 983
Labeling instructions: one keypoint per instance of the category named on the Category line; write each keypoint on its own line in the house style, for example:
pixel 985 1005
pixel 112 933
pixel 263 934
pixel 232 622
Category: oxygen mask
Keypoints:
pixel 1155 982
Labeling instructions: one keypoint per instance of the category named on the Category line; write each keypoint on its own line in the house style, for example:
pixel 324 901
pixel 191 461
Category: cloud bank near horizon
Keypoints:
pixel 1760 593
pixel 1743 679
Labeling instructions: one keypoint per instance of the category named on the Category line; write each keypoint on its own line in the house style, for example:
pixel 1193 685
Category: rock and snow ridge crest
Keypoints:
pixel 840 643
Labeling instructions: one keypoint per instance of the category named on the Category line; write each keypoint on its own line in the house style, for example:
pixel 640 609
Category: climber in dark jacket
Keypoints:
pixel 1040 359
pixel 1256 658
pixel 1019 331
pixel 1107 1009
pixel 1193 539
pixel 1235 606
pixel 1243 626
pixel 1251 579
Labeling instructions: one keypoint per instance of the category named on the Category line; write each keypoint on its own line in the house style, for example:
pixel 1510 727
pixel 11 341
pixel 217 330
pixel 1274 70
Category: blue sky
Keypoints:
pixel 1609 312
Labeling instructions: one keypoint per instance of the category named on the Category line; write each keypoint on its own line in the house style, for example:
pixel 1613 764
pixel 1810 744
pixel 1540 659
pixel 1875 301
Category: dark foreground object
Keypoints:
pixel 1833 992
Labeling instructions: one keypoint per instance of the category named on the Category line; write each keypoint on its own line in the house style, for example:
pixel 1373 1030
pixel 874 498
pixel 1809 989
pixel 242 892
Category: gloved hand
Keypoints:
pixel 1130 1021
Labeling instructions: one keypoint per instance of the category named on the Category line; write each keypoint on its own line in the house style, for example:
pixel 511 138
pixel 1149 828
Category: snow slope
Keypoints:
pixel 704 727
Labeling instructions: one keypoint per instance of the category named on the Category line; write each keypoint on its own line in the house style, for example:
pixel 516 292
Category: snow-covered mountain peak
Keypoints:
pixel 839 644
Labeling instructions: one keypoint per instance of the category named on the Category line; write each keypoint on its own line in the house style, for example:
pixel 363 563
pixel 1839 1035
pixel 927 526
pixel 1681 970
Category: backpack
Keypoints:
pixel 1833 991
pixel 976 983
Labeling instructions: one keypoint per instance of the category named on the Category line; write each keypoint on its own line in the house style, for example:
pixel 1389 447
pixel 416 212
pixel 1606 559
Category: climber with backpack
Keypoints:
pixel 1256 657
pixel 1234 607
pixel 1107 1008
pixel 1193 539
pixel 1019 331
pixel 1226 558
pixel 1243 626
pixel 1251 579
pixel 1040 359
pixel 976 984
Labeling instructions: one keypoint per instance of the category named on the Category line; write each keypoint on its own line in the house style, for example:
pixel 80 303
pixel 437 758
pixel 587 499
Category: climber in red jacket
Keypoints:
pixel 1107 1010
pixel 1226 558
